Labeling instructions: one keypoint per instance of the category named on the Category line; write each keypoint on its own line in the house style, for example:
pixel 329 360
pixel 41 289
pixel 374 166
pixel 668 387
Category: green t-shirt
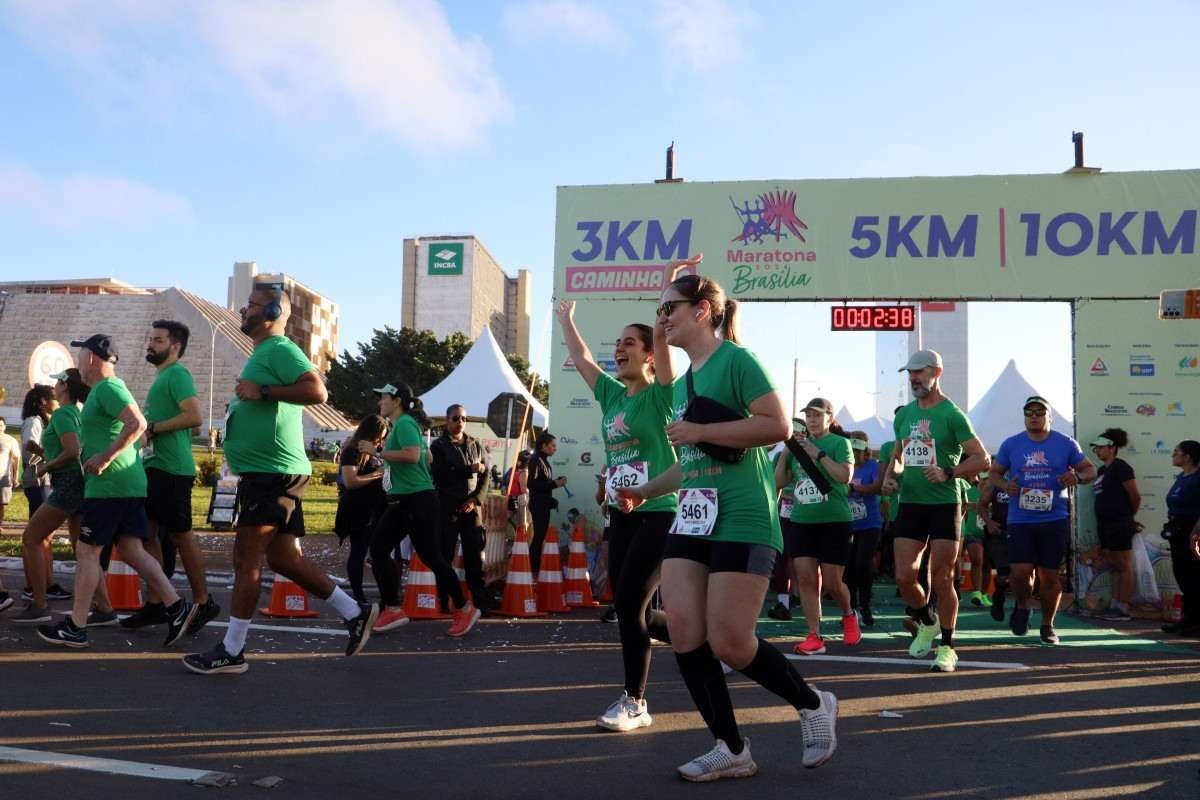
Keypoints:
pixel 268 435
pixel 99 426
pixel 893 501
pixel 970 496
pixel 835 507
pixel 635 436
pixel 171 451
pixel 408 478
pixel 746 494
pixel 65 419
pixel 934 433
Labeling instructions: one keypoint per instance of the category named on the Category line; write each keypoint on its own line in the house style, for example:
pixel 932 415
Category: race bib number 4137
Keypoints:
pixel 697 514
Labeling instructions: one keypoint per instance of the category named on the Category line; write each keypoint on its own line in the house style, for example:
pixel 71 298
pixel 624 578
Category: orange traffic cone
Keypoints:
pixel 1175 609
pixel 579 585
pixel 607 596
pixel 287 598
pixel 421 592
pixel 460 571
pixel 123 584
pixel 964 566
pixel 550 580
pixel 519 599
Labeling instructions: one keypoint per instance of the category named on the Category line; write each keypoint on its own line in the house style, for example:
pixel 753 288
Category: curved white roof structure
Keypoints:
pixel 480 376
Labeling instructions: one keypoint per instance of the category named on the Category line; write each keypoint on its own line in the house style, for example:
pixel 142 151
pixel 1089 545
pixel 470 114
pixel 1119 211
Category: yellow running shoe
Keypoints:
pixel 946 659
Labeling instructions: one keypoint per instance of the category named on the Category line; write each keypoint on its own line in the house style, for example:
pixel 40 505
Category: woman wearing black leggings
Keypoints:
pixel 364 498
pixel 636 408
pixel 867 522
pixel 412 511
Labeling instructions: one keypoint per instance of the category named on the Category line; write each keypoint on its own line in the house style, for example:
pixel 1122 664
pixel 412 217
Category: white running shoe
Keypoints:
pixel 720 763
pixel 818 726
pixel 626 714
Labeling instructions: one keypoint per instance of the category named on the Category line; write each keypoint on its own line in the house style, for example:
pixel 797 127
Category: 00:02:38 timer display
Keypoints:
pixel 872 318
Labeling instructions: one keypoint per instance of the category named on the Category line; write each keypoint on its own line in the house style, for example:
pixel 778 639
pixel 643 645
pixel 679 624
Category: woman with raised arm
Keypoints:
pixel 723 544
pixel 636 408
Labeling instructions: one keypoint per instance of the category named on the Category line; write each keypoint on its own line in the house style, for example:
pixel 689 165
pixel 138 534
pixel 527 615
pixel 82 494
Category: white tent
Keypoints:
pixel 999 414
pixel 878 430
pixel 480 376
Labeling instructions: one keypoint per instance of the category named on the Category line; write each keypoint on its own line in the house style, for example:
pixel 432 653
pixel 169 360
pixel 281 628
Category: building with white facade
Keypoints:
pixel 452 284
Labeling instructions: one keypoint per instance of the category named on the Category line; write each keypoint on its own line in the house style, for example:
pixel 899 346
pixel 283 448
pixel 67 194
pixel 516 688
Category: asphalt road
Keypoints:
pixel 508 712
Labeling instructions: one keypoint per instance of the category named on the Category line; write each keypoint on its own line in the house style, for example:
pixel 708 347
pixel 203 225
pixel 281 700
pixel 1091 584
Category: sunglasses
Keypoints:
pixel 1035 413
pixel 459 418
pixel 668 307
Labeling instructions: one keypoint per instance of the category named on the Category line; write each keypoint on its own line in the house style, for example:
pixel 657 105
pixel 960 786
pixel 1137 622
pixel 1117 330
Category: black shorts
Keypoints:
pixel 105 519
pixel 827 542
pixel 1042 544
pixel 169 500
pixel 66 491
pixel 927 523
pixel 1116 534
pixel 754 559
pixel 268 498
pixel 996 545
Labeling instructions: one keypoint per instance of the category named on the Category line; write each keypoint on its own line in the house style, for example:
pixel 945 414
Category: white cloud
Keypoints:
pixel 394 66
pixel 562 21
pixel 79 200
pixel 705 34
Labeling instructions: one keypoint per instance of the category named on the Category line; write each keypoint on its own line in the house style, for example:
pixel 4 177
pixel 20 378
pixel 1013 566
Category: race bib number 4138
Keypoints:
pixel 697 514
pixel 920 453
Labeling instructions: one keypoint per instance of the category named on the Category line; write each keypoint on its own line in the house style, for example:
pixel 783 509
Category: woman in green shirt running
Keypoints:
pixel 725 539
pixel 636 408
pixel 820 532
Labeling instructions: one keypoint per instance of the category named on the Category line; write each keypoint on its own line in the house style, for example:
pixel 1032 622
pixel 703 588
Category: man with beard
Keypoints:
pixel 172 411
pixel 936 445
pixel 264 446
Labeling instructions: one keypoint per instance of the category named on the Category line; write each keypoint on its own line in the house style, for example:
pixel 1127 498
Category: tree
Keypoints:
pixel 541 389
pixel 418 358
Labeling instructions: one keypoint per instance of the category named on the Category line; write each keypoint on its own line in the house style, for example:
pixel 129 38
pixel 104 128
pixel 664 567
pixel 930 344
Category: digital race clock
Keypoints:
pixel 872 318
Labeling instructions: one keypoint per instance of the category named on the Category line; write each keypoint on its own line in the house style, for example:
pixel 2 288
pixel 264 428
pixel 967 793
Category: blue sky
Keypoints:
pixel 159 141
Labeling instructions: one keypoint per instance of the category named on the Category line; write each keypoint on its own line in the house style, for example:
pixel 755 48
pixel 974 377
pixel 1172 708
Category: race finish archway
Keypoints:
pixel 1108 243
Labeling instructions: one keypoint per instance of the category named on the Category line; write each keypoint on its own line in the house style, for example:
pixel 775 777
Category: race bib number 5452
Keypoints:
pixel 697 514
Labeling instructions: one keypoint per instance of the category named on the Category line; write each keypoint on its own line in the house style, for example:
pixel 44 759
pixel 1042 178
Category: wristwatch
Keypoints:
pixel 948 472
pixel 265 391
pixel 822 454
pixel 150 430
pixel 378 449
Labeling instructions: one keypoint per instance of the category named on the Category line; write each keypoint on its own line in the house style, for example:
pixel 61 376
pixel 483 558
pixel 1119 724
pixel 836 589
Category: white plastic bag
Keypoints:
pixel 1145 585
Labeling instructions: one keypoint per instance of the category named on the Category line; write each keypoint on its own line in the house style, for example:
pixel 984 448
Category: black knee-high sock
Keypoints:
pixel 706 683
pixel 771 670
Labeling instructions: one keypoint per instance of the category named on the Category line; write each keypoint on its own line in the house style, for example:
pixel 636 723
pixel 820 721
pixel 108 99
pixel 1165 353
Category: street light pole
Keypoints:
pixel 212 353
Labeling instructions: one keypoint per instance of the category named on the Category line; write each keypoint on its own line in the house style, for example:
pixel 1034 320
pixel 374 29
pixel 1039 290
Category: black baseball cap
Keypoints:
pixel 819 404
pixel 1037 400
pixel 101 345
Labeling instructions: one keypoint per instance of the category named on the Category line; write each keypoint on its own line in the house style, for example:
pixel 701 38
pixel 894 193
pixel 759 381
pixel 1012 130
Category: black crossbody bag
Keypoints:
pixel 703 411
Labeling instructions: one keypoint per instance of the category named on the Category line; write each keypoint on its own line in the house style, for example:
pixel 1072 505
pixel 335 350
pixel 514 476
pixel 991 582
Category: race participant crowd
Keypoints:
pixel 703 504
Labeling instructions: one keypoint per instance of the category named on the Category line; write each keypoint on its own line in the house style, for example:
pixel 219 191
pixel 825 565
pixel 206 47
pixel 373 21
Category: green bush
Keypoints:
pixel 208 471
pixel 326 475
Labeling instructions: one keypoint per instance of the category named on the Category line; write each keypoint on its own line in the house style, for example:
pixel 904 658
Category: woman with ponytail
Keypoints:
pixel 412 511
pixel 722 547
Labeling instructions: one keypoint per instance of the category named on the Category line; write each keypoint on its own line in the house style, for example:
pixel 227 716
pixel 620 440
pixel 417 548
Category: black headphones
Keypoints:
pixel 272 310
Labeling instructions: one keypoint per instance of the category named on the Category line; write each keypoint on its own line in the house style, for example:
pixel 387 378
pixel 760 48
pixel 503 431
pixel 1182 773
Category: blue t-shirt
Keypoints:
pixel 1183 501
pixel 1035 467
pixel 865 504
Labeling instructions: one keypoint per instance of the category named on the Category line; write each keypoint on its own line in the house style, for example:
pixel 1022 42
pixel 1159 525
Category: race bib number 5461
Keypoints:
pixel 697 514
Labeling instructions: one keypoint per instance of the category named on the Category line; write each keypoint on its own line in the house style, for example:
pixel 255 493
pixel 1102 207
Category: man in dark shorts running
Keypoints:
pixel 264 445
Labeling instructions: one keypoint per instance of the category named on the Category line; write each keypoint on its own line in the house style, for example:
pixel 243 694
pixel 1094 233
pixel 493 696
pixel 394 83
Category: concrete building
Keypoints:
pixel 314 321
pixel 38 320
pixel 452 284
pixel 940 326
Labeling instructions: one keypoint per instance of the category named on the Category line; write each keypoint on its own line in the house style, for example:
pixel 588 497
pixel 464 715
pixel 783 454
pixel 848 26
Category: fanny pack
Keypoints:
pixel 703 411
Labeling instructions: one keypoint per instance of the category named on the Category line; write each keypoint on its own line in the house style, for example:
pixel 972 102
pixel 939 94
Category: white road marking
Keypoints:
pixel 909 662
pixel 254 626
pixel 110 766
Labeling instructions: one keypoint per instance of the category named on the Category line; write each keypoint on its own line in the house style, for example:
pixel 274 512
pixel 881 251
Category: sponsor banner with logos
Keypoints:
pixel 1151 401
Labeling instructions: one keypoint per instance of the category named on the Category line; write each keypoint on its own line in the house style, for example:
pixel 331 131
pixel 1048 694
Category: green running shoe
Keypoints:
pixel 946 660
pixel 922 643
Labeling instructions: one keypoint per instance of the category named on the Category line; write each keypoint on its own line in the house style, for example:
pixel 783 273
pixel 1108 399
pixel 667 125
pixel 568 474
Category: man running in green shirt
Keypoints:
pixel 264 446
pixel 172 411
pixel 935 444
pixel 114 497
